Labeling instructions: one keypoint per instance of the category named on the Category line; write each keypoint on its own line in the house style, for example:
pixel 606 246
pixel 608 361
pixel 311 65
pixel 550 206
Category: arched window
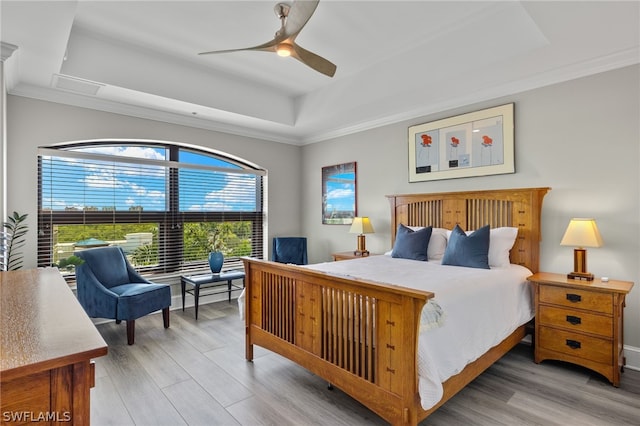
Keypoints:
pixel 167 205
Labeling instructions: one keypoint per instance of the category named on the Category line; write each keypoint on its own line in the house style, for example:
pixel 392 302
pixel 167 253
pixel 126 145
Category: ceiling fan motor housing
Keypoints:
pixel 282 10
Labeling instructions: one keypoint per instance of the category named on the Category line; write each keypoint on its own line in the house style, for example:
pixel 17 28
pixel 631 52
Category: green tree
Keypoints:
pixel 145 255
pixel 231 238
pixel 199 239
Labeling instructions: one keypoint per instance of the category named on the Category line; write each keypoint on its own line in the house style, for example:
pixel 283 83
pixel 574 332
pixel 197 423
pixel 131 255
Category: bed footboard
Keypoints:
pixel 358 335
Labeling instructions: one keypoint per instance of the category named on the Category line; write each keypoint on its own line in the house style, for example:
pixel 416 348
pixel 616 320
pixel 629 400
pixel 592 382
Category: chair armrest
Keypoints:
pixel 134 276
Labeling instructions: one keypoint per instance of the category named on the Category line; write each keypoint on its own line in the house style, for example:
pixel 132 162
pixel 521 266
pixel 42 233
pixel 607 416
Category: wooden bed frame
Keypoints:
pixel 362 336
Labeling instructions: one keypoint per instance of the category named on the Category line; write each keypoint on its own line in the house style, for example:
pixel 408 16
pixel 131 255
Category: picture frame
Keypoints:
pixel 339 194
pixel 478 143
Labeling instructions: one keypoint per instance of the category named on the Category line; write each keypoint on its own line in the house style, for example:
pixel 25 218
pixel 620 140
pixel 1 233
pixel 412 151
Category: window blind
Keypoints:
pixel 165 205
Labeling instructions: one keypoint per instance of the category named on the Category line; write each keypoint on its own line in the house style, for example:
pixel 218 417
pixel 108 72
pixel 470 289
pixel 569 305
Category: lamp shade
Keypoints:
pixel 361 225
pixel 582 232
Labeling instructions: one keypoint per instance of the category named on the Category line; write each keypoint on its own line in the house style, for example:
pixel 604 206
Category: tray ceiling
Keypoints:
pixel 396 60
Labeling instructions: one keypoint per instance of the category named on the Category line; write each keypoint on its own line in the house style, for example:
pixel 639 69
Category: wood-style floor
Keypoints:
pixel 195 373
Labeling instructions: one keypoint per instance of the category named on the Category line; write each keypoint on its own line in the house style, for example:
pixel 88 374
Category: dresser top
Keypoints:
pixel 615 286
pixel 42 325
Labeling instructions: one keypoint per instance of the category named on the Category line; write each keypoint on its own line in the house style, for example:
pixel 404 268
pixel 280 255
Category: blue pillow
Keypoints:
pixel 468 250
pixel 411 244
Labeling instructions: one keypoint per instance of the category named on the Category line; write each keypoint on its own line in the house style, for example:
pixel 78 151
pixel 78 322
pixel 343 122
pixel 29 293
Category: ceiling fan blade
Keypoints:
pixel 294 17
pixel 269 46
pixel 298 17
pixel 314 61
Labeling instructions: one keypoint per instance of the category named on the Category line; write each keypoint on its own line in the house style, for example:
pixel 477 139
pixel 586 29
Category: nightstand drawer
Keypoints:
pixel 573 320
pixel 574 344
pixel 580 322
pixel 577 299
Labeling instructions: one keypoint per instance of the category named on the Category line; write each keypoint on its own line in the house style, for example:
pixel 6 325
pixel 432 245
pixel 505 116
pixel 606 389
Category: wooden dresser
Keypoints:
pixel 580 322
pixel 47 343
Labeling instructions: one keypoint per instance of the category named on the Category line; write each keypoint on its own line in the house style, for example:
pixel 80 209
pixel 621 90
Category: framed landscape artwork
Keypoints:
pixel 339 194
pixel 475 144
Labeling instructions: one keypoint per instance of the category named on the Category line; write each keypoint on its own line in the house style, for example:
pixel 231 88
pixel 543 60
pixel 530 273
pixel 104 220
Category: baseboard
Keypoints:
pixel 632 355
pixel 189 301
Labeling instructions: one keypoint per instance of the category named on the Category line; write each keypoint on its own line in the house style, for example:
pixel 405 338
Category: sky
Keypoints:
pixel 79 183
pixel 340 192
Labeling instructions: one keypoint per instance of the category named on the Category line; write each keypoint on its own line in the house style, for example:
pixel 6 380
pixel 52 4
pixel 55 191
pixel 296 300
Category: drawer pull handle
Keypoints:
pixel 574 320
pixel 574 297
pixel 573 344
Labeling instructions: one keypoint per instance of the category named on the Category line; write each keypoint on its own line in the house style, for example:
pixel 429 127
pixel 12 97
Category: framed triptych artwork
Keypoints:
pixel 475 144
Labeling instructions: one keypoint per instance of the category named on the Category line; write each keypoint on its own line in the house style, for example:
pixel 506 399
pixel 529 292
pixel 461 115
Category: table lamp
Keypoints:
pixel 361 226
pixel 581 233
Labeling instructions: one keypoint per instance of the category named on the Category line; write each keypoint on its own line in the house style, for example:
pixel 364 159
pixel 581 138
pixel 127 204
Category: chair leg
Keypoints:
pixel 165 317
pixel 131 330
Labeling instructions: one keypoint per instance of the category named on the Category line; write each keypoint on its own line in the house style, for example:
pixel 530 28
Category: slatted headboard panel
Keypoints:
pixel 519 208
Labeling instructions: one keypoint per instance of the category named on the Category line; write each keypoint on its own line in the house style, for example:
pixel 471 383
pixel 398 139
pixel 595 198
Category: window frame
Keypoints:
pixel 169 221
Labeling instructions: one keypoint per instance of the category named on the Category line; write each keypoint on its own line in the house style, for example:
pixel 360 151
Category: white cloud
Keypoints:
pixel 233 195
pixel 127 151
pixel 340 193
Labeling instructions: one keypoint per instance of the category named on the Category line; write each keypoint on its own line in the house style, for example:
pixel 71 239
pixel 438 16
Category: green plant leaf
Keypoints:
pixel 13 240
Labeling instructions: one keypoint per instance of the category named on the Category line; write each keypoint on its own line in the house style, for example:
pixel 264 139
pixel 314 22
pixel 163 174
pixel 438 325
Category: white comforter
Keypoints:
pixel 481 307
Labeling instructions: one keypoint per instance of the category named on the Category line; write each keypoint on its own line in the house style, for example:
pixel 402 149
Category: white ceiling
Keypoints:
pixel 396 60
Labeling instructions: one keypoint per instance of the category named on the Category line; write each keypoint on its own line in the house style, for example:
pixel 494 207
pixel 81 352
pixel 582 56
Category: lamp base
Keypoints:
pixel 580 266
pixel 584 276
pixel 362 251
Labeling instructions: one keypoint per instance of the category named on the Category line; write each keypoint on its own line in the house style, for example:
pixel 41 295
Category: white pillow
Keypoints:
pixel 501 240
pixel 437 242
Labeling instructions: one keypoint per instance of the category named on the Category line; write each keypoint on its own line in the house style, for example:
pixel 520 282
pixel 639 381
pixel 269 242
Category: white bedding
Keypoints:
pixel 481 307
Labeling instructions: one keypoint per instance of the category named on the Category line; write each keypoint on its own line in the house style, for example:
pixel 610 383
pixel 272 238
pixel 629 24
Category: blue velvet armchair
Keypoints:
pixel 109 287
pixel 290 250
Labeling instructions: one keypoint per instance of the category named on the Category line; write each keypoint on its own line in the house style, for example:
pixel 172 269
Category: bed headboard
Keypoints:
pixel 519 208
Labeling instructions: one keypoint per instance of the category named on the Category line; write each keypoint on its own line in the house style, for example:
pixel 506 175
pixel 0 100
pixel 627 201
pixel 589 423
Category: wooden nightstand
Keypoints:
pixel 346 255
pixel 580 322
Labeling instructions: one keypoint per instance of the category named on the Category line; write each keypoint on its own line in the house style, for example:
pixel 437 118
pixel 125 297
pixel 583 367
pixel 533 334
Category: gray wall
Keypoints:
pixel 581 138
pixel 33 123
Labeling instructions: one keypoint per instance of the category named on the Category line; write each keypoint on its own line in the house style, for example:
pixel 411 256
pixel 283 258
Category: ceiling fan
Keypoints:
pixel 293 17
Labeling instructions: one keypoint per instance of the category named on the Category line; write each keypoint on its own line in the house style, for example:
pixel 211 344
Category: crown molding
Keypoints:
pixel 95 103
pixel 260 129
pixel 6 50
pixel 574 71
